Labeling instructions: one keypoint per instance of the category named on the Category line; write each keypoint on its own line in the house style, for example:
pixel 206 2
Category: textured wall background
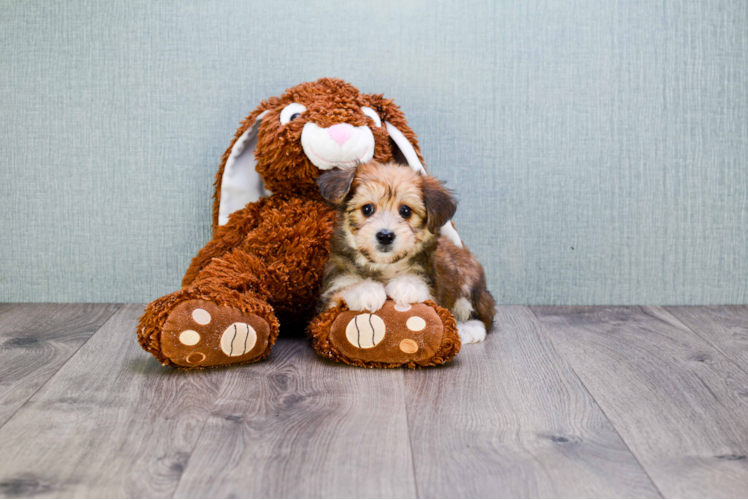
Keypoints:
pixel 600 148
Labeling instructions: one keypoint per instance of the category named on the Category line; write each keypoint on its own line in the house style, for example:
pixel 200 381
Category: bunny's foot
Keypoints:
pixel 199 333
pixel 414 335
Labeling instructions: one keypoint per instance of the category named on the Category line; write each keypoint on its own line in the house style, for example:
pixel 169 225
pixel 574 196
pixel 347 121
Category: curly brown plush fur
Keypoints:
pixel 269 257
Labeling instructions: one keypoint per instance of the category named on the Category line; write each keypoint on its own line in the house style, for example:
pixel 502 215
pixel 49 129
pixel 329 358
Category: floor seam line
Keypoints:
pixel 602 410
pixel 214 405
pixel 226 379
pixel 712 344
pixel 410 437
pixel 198 440
pixel 61 367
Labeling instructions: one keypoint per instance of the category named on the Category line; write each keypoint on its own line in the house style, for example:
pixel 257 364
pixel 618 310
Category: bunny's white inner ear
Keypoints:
pixel 450 232
pixel 241 184
pixel 404 148
pixel 406 151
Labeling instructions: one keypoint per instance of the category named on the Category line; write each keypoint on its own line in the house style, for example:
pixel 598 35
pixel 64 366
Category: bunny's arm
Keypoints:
pixel 225 238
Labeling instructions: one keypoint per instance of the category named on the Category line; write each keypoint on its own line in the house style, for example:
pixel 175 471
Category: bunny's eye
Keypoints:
pixel 367 209
pixel 291 112
pixel 372 114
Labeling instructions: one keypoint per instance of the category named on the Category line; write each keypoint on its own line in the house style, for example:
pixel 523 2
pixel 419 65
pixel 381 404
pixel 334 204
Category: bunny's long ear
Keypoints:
pixel 405 148
pixel 403 141
pixel 237 181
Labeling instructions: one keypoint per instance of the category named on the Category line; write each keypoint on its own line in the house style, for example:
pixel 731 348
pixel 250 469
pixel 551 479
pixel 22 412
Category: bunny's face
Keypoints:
pixel 314 127
pixel 285 144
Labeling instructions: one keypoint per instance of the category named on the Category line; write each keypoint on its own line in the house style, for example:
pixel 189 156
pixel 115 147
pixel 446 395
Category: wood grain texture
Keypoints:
pixel 111 423
pixel 606 402
pixel 36 340
pixel 510 419
pixel 677 402
pixel 725 327
pixel 300 426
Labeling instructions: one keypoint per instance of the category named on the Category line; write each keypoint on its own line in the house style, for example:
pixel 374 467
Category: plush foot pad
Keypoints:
pixel 199 333
pixel 415 335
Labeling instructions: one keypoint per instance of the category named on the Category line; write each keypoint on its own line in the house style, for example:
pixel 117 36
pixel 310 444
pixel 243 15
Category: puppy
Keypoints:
pixel 387 244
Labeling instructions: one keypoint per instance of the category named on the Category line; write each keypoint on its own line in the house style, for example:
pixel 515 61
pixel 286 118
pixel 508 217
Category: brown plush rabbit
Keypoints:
pixel 271 234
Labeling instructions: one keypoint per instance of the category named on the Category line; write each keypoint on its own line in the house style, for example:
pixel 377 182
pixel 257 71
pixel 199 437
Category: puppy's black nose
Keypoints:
pixel 385 236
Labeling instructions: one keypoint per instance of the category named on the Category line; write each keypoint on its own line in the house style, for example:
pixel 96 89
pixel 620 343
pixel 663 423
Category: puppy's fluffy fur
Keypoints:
pixel 387 244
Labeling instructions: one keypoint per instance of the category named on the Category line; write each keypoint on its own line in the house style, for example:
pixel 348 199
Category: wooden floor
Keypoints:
pixel 558 402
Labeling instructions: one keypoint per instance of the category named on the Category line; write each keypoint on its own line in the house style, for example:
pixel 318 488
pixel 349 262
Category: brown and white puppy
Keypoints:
pixel 387 244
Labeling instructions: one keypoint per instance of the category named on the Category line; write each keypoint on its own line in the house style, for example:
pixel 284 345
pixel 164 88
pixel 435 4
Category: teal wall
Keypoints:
pixel 599 148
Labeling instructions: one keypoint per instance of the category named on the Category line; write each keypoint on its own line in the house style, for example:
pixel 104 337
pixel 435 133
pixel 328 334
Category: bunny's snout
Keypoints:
pixel 341 145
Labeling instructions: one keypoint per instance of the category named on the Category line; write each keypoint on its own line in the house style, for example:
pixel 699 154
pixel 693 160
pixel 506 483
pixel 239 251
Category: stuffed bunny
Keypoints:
pixel 271 234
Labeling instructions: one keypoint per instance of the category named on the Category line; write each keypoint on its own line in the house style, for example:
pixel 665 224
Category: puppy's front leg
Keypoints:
pixel 408 290
pixel 367 295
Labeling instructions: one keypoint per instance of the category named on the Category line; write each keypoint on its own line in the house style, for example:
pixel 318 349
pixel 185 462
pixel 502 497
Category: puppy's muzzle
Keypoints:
pixel 385 237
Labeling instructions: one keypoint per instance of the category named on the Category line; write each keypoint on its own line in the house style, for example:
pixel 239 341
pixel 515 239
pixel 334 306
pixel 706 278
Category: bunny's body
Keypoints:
pixel 267 255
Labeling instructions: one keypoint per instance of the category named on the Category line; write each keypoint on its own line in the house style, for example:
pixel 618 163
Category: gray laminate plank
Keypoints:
pixel 725 327
pixel 678 403
pixel 112 422
pixel 509 418
pixel 36 340
pixel 300 426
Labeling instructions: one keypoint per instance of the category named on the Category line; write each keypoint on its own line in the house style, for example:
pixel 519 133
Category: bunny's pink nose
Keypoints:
pixel 340 133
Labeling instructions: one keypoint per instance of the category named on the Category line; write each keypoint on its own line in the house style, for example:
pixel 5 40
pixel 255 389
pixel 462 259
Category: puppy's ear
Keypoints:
pixel 336 183
pixel 440 204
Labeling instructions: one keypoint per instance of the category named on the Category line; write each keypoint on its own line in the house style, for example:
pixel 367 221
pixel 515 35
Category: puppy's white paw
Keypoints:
pixel 407 290
pixel 366 296
pixel 471 332
pixel 462 309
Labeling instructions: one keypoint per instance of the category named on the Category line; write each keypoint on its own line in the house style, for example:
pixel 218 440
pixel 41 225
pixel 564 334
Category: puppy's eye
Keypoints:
pixel 291 112
pixel 367 209
pixel 406 211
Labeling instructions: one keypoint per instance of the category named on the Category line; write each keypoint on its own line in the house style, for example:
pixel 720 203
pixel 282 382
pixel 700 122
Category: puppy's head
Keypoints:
pixel 388 211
